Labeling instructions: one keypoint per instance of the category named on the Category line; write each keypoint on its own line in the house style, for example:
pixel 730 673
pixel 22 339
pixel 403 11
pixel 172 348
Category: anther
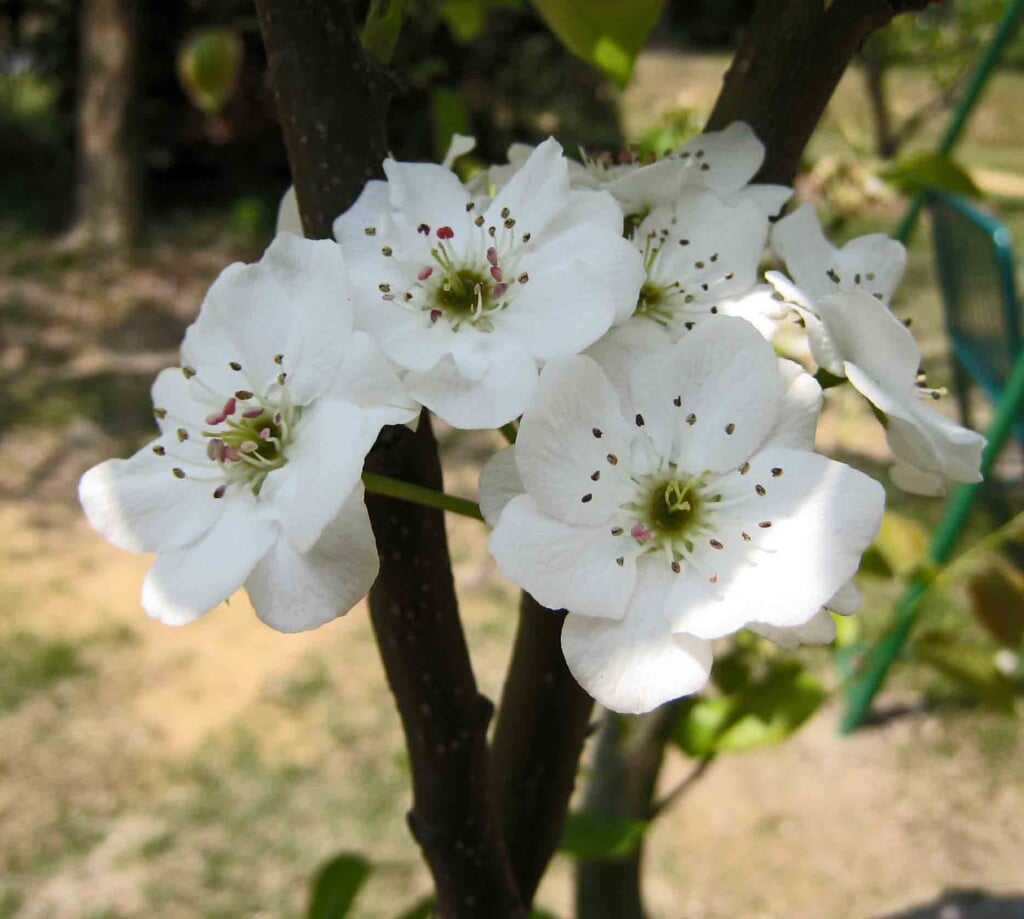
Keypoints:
pixel 597 432
pixel 765 524
pixel 370 231
pixel 281 377
pixel 746 536
pixel 215 418
pixel 279 359
pixel 435 315
pixel 745 468
pixel 189 372
pixel 178 472
pixel 160 413
pixel 478 220
pixel 182 435
pixel 677 401
pixel 497 274
pixel 511 222
pixel 676 567
pixel 425 273
pixel 423 229
pixel 617 531
pixel 523 278
pixel 613 460
pixel 158 450
pixel 220 491
pixel 505 212
pixel 215 449
pixel 691 419
pixel 760 490
pixel 492 256
pixel 776 471
pixel 587 498
pixel 730 428
pixel 715 544
pixel 526 237
pixel 639 420
pixel 470 205
pixel 595 475
pixel 384 288
pixel 832 275
pixel 242 394
pixel 386 251
pixel 253 412
pixel 445 233
pixel 620 561
pixel 234 365
pixel 684 242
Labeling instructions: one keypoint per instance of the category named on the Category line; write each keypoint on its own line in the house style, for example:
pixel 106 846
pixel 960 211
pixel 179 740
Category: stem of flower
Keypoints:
pixel 417 494
pixel 509 431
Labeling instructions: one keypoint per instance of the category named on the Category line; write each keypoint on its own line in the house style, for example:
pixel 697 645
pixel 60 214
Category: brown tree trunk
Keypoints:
pixel 108 187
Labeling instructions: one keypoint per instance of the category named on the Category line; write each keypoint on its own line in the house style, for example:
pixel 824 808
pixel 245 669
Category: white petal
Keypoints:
pixel 727 378
pixel 616 354
pixel 139 505
pixel 497 397
pixel 759 307
pixel 800 242
pixel 409 338
pixel 185 583
pixel 350 228
pixel 537 191
pixel 184 402
pixel 562 566
pixel 820 629
pixel 800 409
pixel 293 591
pixel 930 449
pixel 368 379
pixel 732 157
pixel 572 431
pixel 428 193
pixel 288 217
pixel 460 145
pixel 499 483
pixel 635 664
pixel 325 461
pixel 639 189
pixel 293 302
pixel 822 517
pixel 847 600
pixel 581 281
pixel 769 199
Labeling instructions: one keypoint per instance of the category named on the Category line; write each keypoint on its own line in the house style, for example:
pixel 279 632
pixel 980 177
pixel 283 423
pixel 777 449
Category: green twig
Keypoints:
pixel 417 494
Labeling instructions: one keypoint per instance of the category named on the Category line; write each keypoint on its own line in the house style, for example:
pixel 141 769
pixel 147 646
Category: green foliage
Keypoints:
pixel 29 664
pixel 996 593
pixel 467 19
pixel 209 65
pixel 608 33
pixel 382 27
pixel 335 886
pixel 901 545
pixel 423 908
pixel 449 115
pixel 589 835
pixel 916 172
pixel 760 711
pixel 674 130
pixel 971 667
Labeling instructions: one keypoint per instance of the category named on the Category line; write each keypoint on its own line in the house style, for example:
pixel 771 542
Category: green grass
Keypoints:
pixel 30 665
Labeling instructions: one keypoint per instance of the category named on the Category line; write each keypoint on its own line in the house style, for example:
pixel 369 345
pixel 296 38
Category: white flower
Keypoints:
pixel 842 295
pixel 673 499
pixel 255 478
pixel 472 295
pixel 701 257
pixel 723 161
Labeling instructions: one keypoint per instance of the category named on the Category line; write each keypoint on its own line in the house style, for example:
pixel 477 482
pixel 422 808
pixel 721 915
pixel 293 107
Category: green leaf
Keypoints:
pixel 449 115
pixel 765 711
pixel 916 172
pixel 997 599
pixel 969 666
pixel 901 545
pixel 423 908
pixel 335 886
pixel 602 836
pixel 382 27
pixel 608 33
pixel 209 64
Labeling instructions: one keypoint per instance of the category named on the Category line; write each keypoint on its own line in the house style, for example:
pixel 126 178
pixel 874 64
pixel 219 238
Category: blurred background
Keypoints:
pixel 206 771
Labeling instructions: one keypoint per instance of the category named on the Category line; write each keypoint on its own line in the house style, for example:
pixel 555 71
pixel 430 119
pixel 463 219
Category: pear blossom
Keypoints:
pixel 843 296
pixel 723 161
pixel 255 477
pixel 673 499
pixel 701 257
pixel 471 295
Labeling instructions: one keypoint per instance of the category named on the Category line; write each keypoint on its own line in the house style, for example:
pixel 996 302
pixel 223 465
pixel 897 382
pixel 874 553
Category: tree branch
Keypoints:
pixel 332 104
pixel 788 64
pixel 542 724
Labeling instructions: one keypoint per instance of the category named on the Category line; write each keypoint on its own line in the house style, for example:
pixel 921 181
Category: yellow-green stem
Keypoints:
pixel 417 494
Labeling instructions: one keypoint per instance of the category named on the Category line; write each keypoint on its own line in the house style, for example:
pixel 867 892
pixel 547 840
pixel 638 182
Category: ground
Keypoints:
pixel 205 771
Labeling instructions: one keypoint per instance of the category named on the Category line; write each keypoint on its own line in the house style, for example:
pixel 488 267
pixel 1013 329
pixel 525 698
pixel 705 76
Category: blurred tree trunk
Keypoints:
pixel 108 186
pixel 874 65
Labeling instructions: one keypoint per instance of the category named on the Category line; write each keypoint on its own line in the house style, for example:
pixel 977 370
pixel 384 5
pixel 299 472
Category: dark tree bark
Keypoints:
pixel 332 104
pixel 787 67
pixel 542 724
pixel 108 185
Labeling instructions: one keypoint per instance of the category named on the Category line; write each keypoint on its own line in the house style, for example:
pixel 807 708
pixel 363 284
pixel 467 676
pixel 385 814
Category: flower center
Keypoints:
pixel 462 294
pixel 672 508
pixel 653 302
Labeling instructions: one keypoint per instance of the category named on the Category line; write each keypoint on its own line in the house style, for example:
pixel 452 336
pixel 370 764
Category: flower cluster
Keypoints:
pixel 663 488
